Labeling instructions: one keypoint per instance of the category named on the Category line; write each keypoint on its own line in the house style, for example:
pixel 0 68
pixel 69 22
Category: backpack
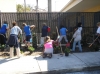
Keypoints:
pixel 48 29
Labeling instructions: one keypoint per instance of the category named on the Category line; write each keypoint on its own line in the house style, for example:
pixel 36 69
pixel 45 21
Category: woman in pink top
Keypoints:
pixel 48 47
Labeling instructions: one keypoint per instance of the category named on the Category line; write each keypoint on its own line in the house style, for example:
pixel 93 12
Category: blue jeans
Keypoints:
pixel 79 45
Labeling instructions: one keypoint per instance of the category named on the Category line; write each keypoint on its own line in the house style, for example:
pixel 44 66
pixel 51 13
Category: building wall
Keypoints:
pixel 93 9
pixel 8 5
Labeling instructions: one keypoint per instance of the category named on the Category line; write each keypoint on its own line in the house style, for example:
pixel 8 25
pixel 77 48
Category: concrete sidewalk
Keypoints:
pixel 55 65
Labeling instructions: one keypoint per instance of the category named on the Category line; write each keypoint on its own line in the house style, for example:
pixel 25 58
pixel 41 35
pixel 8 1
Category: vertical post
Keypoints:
pixel 24 5
pixel 55 5
pixel 36 5
pixel 49 6
pixel 0 18
pixel 38 31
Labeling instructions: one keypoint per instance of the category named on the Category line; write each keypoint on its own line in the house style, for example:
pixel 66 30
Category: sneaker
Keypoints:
pixel 44 55
pixel 50 55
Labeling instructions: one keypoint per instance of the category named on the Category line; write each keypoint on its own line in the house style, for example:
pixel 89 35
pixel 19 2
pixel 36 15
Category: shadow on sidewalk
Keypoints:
pixel 50 65
pixel 7 60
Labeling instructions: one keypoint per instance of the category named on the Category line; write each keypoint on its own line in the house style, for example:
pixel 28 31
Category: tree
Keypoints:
pixel 21 8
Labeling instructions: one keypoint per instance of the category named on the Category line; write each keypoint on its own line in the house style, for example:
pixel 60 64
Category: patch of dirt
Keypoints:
pixel 7 54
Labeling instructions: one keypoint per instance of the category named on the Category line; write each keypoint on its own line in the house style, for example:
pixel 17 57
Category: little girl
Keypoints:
pixel 48 47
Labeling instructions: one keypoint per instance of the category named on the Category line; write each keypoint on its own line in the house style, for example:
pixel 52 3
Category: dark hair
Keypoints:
pixel 14 23
pixel 5 22
pixel 61 26
pixel 79 24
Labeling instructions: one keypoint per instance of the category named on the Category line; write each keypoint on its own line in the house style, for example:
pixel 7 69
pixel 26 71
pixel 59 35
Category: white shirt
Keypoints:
pixel 80 28
pixel 15 30
pixel 98 30
pixel 77 35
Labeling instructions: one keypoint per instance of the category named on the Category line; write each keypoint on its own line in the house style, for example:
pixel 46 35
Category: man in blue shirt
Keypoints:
pixel 27 33
pixel 44 33
pixel 3 31
pixel 63 33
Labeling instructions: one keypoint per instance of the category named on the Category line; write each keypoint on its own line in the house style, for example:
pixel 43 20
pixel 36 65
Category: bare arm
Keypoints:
pixel 20 30
pixel 66 30
pixel 32 26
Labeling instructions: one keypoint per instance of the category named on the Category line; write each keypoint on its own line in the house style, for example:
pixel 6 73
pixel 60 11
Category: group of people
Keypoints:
pixel 13 40
pixel 46 41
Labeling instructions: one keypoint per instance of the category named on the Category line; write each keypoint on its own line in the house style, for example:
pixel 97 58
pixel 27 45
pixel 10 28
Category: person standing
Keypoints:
pixel 63 33
pixel 3 31
pixel 27 30
pixel 13 39
pixel 98 29
pixel 77 37
pixel 98 32
pixel 79 25
pixel 44 33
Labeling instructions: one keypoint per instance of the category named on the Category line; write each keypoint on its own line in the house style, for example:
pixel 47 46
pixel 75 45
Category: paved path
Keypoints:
pixel 57 64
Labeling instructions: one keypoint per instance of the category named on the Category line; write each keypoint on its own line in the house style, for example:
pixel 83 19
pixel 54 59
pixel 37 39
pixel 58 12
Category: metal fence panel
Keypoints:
pixel 68 19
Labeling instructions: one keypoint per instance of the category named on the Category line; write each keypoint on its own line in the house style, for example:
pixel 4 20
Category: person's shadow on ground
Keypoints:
pixel 7 60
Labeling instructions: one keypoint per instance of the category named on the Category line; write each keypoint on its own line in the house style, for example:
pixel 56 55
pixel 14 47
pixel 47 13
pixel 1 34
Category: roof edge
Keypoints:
pixel 69 5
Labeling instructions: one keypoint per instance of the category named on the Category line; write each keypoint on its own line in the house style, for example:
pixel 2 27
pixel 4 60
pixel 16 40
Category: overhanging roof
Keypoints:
pixel 80 5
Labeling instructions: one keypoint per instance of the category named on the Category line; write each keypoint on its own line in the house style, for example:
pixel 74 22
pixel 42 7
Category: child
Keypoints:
pixel 27 30
pixel 13 39
pixel 77 37
pixel 3 31
pixel 98 32
pixel 79 25
pixel 48 47
pixel 63 33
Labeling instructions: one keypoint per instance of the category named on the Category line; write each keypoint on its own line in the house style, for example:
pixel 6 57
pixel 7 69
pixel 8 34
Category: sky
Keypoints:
pixel 57 5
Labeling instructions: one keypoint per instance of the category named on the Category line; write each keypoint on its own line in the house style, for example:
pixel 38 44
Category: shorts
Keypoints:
pixel 28 37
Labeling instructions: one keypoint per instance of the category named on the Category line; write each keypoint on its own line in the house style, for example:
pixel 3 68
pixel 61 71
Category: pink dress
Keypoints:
pixel 48 47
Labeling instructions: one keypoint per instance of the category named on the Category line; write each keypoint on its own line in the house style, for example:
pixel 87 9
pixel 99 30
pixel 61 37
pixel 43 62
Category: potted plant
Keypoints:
pixel 56 47
pixel 67 51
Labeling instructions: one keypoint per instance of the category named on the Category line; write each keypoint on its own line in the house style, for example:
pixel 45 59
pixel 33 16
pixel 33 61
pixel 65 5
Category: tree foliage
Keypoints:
pixel 21 8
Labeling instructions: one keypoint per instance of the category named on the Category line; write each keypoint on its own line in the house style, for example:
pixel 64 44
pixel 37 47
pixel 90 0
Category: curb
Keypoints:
pixel 68 70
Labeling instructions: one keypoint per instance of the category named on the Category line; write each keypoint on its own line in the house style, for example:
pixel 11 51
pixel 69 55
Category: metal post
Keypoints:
pixel 24 5
pixel 49 6
pixel 55 5
pixel 0 18
pixel 36 5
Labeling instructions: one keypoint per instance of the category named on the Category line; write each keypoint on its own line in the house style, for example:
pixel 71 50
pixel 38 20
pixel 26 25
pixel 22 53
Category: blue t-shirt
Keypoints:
pixel 44 31
pixel 63 31
pixel 27 30
pixel 3 29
